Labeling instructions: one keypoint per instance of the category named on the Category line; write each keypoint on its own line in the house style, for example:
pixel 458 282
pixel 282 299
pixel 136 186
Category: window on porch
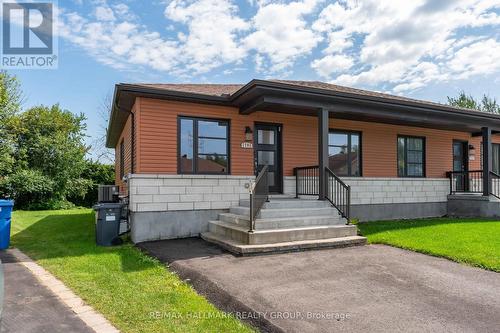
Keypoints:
pixel 344 153
pixel 495 148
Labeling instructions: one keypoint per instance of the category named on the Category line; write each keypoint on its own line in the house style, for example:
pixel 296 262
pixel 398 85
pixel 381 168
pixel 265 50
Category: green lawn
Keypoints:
pixel 472 241
pixel 123 284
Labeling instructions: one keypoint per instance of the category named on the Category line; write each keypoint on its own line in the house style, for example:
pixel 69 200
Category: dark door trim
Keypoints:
pixel 464 179
pixel 278 187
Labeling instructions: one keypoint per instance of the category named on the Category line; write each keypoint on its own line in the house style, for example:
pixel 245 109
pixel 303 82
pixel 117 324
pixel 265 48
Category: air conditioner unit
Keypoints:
pixel 108 193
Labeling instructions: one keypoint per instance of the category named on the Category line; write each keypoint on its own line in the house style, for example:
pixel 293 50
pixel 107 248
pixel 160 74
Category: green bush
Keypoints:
pixel 27 187
pixel 43 163
pixel 94 174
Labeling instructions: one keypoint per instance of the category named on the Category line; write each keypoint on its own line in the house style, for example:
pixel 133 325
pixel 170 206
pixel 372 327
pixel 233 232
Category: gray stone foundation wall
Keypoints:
pixel 176 206
pixel 149 226
pixel 473 206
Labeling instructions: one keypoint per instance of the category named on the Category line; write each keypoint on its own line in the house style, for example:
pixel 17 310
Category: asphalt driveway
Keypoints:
pixel 29 307
pixel 372 288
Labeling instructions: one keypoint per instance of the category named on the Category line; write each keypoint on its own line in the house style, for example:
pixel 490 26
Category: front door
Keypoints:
pixel 268 152
pixel 460 163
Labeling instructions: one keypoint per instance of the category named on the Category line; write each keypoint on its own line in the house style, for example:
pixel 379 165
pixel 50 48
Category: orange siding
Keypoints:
pixel 156 139
pixel 476 142
pixel 126 137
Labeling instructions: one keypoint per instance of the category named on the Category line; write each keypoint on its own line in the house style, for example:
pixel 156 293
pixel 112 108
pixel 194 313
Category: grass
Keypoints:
pixel 472 241
pixel 122 283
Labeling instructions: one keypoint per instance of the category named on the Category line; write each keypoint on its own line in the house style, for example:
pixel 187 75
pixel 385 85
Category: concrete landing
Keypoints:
pixel 246 249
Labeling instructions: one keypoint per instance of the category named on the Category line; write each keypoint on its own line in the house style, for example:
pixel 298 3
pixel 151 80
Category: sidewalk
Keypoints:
pixel 31 307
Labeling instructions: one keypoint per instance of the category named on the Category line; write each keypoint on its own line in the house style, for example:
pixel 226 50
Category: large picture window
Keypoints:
pixel 344 153
pixel 203 146
pixel 411 156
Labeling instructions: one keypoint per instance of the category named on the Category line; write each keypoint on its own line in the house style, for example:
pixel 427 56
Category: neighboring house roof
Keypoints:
pixel 303 97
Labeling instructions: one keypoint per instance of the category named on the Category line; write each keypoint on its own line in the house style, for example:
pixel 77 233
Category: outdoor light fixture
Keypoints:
pixel 248 133
pixel 471 147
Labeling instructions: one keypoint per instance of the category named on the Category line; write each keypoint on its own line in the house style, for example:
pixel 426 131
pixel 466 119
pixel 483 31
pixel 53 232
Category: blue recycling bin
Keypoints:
pixel 5 215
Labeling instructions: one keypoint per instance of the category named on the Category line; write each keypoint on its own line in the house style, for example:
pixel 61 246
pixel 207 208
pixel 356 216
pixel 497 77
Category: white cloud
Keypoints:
pixel 282 33
pixel 475 59
pixel 103 13
pixel 407 44
pixel 330 64
pixel 380 44
pixel 213 33
pixel 119 44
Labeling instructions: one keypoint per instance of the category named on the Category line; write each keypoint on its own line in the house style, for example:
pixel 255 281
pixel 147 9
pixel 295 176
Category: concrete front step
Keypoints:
pixel 285 212
pixel 289 203
pixel 246 249
pixel 240 233
pixel 284 222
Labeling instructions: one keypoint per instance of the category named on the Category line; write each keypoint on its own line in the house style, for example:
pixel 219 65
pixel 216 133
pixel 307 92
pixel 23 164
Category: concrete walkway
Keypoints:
pixel 362 289
pixel 30 307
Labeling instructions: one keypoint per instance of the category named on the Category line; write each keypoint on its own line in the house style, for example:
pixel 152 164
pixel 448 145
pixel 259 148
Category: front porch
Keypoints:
pixel 282 224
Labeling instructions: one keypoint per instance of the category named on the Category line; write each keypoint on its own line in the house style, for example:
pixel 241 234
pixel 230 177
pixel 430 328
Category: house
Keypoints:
pixel 187 157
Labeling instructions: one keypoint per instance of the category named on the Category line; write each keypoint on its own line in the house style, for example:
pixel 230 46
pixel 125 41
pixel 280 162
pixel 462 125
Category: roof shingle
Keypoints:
pixel 230 89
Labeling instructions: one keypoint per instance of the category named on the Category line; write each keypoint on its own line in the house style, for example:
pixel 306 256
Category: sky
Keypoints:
pixel 425 49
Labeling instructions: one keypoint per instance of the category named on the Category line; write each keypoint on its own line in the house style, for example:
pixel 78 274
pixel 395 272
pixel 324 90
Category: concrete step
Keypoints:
pixel 246 249
pixel 284 222
pixel 241 234
pixel 285 212
pixel 289 203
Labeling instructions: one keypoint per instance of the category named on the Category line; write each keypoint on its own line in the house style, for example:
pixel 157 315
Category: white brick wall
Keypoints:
pixel 149 193
pixel 195 192
pixel 366 190
pixel 397 190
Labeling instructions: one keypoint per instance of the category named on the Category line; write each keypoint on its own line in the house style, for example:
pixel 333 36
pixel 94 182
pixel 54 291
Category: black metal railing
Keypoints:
pixel 466 181
pixel 259 194
pixel 495 184
pixel 338 193
pixel 306 180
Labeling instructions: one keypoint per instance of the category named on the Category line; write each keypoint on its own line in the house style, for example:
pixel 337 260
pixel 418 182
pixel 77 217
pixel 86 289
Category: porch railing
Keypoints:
pixel 338 193
pixel 306 180
pixel 259 194
pixel 466 181
pixel 495 184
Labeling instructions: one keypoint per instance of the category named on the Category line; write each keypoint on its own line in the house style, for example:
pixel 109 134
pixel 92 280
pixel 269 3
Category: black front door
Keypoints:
pixel 268 152
pixel 460 163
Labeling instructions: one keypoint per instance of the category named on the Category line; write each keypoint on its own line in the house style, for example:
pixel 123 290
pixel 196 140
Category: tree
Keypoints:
pixel 98 174
pixel 47 147
pixel 98 146
pixel 10 104
pixel 486 104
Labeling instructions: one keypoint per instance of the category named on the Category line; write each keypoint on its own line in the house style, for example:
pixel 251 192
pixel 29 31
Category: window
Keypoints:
pixel 344 153
pixel 203 146
pixel 495 156
pixel 122 159
pixel 411 156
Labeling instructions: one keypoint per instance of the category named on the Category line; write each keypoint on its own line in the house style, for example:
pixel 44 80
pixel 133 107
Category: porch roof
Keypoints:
pixel 304 98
